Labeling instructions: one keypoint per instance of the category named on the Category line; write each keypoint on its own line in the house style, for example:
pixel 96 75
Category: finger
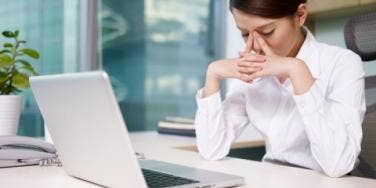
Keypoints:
pixel 262 44
pixel 246 78
pixel 256 75
pixel 258 65
pixel 248 70
pixel 241 54
pixel 243 63
pixel 254 57
pixel 238 75
pixel 246 63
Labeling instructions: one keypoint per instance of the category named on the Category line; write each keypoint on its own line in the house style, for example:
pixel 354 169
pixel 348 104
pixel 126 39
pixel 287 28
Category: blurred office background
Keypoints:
pixel 156 51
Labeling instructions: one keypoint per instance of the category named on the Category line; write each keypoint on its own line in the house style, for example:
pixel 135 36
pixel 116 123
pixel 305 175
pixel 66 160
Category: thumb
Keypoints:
pixel 263 45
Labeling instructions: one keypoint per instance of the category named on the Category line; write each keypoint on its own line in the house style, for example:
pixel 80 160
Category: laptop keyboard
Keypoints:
pixel 156 179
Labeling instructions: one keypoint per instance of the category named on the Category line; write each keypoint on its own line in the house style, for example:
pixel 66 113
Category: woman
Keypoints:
pixel 305 97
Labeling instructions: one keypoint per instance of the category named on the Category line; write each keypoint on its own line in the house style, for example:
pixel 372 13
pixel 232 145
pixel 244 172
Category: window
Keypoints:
pixel 156 52
pixel 41 24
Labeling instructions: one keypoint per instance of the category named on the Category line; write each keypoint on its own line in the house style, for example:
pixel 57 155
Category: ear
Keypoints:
pixel 301 14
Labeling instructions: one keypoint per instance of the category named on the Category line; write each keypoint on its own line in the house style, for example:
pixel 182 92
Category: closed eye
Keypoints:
pixel 268 33
pixel 245 34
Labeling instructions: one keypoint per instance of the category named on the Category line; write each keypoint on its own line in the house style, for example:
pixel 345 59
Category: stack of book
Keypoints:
pixel 177 126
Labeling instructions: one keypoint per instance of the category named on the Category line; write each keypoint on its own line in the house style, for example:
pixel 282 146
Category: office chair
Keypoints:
pixel 360 37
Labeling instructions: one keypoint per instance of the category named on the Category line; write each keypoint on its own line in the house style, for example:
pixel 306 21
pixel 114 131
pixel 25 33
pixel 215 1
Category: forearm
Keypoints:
pixel 212 83
pixel 213 141
pixel 218 123
pixel 336 151
pixel 333 130
pixel 300 76
pixel 333 121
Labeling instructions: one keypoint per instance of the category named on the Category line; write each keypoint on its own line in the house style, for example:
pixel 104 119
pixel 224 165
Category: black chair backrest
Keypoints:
pixel 360 35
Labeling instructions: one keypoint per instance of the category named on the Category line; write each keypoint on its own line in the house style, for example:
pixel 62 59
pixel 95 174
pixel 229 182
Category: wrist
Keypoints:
pixel 300 76
pixel 212 84
pixel 211 73
pixel 294 67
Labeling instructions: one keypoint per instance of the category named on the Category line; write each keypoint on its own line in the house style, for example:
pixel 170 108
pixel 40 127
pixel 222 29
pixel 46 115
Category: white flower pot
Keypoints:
pixel 10 108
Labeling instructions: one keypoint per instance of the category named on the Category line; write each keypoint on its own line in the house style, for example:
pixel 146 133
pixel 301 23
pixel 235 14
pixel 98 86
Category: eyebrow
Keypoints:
pixel 259 27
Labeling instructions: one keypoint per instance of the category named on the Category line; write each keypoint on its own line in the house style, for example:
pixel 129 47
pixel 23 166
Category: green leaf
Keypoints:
pixel 5 51
pixel 8 45
pixel 28 67
pixel 5 61
pixel 3 77
pixel 20 81
pixel 8 34
pixel 3 90
pixel 31 53
pixel 14 90
pixel 16 33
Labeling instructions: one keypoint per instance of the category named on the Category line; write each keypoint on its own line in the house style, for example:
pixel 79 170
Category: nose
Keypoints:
pixel 256 46
pixel 249 44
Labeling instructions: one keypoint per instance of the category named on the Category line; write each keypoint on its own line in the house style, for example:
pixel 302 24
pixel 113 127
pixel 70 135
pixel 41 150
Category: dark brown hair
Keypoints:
pixel 267 8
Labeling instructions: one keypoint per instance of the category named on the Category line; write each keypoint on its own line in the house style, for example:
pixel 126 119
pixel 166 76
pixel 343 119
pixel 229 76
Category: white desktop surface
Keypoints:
pixel 168 148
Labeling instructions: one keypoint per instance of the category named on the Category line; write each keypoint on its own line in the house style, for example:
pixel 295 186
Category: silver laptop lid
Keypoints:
pixel 78 109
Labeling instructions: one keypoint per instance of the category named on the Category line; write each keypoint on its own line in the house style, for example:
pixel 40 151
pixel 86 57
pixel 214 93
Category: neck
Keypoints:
pixel 298 44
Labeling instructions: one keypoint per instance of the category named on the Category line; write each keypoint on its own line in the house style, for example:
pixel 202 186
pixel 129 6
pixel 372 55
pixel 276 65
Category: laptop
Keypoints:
pixel 90 135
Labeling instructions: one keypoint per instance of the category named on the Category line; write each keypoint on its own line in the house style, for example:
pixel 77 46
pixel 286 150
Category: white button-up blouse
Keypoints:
pixel 319 130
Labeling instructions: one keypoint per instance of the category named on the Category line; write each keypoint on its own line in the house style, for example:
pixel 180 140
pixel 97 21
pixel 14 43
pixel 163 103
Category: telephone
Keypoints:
pixel 23 151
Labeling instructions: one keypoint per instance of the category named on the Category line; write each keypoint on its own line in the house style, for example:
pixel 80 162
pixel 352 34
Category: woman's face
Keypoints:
pixel 281 34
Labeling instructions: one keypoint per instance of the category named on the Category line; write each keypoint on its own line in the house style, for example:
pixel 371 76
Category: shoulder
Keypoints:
pixel 337 67
pixel 335 54
pixel 333 58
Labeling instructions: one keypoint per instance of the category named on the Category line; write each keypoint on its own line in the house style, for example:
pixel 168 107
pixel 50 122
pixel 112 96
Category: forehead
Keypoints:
pixel 250 22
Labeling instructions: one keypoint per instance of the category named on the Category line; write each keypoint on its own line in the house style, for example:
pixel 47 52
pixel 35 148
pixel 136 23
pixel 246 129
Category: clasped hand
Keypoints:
pixel 250 66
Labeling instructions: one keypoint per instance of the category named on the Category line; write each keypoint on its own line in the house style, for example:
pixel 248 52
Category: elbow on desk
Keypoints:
pixel 211 156
pixel 335 173
pixel 211 153
pixel 340 169
pixel 212 148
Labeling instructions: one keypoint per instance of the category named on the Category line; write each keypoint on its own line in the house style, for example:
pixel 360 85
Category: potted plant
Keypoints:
pixel 14 77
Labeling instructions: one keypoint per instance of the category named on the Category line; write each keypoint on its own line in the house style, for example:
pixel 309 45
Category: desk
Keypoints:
pixel 180 150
